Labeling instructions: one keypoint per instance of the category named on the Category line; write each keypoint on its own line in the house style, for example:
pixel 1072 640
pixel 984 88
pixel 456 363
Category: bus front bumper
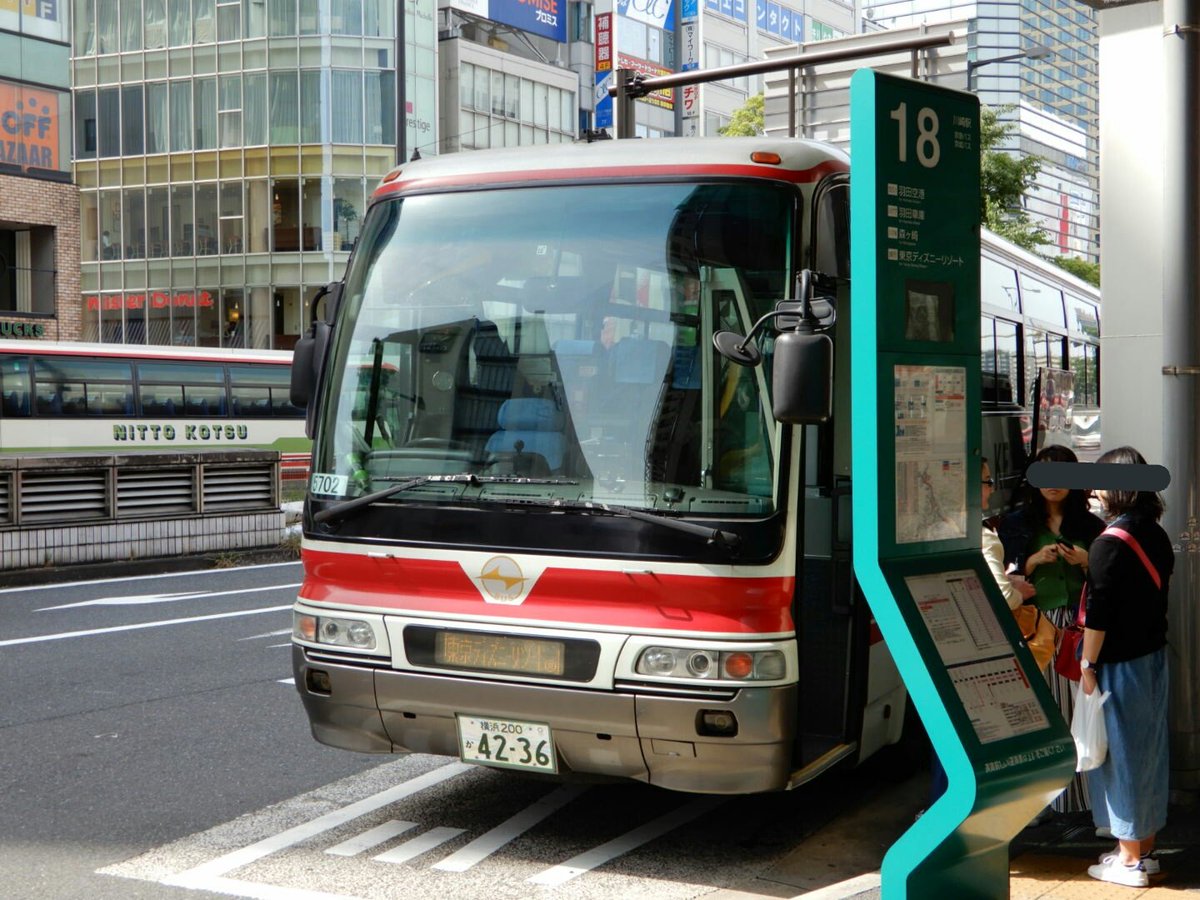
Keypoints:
pixel 621 734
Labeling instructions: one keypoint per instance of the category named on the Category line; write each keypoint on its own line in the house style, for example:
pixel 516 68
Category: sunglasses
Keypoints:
pixel 990 482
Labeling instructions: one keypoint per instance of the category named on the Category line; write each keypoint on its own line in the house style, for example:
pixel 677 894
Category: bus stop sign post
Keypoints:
pixel 915 383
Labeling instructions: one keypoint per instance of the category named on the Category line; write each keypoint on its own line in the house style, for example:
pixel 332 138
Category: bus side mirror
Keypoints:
pixel 802 378
pixel 308 357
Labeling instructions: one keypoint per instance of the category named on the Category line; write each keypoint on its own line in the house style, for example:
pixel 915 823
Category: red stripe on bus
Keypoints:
pixel 584 597
pixel 533 176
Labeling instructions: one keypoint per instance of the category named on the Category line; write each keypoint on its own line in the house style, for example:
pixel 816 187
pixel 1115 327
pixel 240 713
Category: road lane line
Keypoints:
pixel 266 634
pixel 510 829
pixel 64 635
pixel 422 843
pixel 235 887
pixel 145 599
pixel 597 856
pixel 191 573
pixel 372 837
pixel 196 876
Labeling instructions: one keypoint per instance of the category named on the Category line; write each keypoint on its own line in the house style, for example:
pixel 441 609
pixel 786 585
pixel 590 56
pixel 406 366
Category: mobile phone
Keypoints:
pixel 1063 542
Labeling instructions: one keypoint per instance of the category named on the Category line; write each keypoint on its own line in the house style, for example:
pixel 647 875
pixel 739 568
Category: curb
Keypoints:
pixel 150 566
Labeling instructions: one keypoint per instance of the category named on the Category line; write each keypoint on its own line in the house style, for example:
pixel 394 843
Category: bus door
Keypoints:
pixel 830 616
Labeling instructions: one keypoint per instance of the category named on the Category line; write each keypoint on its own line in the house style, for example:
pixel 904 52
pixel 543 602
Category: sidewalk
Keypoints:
pixel 1050 861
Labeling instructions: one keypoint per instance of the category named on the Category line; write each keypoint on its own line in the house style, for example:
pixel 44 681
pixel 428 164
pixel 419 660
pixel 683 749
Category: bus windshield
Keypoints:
pixel 562 336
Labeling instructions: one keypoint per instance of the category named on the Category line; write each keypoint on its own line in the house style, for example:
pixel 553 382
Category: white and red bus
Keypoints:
pixel 57 397
pixel 549 526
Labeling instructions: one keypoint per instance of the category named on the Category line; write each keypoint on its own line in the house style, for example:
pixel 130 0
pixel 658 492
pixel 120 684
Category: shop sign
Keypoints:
pixel 152 300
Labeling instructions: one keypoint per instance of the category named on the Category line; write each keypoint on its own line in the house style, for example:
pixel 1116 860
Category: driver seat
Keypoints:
pixel 531 436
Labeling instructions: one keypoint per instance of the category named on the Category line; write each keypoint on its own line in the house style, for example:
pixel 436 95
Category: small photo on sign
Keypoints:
pixel 928 311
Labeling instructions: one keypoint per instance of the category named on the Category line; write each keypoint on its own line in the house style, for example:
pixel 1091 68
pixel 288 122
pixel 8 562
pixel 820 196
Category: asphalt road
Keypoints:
pixel 151 745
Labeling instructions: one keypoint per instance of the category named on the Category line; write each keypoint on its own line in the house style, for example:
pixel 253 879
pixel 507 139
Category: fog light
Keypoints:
pixel 318 682
pixel 716 723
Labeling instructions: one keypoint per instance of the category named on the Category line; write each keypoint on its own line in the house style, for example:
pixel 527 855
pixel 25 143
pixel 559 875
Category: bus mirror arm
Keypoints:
pixel 308 357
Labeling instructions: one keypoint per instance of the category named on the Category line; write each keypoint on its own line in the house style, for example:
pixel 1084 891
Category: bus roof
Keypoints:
pixel 800 161
pixel 143 351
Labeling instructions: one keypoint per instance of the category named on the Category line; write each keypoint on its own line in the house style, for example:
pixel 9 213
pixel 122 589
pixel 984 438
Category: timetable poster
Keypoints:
pixel 978 656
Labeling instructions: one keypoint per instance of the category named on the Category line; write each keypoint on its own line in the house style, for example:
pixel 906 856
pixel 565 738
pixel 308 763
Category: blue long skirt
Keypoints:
pixel 1129 791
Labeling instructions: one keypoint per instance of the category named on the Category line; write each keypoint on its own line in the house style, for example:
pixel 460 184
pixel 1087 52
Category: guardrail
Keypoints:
pixel 81 507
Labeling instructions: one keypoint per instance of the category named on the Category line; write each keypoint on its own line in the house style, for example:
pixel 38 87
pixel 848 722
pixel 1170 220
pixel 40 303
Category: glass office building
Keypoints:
pixel 1036 63
pixel 223 151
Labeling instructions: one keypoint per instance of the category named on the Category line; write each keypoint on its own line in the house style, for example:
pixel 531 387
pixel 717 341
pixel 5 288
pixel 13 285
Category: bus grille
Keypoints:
pixel 152 492
pixel 46 498
pixel 238 487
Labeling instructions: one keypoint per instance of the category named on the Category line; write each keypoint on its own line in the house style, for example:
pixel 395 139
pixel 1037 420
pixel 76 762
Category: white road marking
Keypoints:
pixel 266 634
pixel 598 856
pixel 422 843
pixel 843 890
pixel 64 635
pixel 510 829
pixel 235 887
pixel 373 837
pixel 144 599
pixel 198 876
pixel 56 586
pixel 291 681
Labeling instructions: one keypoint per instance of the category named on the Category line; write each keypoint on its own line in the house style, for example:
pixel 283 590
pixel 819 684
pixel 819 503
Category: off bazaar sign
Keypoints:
pixel 153 300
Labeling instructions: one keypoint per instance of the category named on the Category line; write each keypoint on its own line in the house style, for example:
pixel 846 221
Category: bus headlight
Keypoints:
pixel 336 632
pixel 712 665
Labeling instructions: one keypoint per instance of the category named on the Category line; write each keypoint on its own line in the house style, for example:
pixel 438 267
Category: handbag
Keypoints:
pixel 1070 646
pixel 1038 632
pixel 1070 643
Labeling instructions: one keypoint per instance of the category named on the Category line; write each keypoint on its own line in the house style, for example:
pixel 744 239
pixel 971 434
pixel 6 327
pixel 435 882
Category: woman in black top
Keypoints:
pixel 1124 653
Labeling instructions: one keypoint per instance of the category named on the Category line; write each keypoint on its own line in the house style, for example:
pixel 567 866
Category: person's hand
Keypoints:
pixel 1076 556
pixel 1087 681
pixel 1024 588
pixel 1047 554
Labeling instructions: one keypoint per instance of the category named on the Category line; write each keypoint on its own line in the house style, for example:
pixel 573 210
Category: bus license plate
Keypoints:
pixel 505 743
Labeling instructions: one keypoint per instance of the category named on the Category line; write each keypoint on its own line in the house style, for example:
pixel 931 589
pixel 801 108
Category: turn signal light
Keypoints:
pixel 766 158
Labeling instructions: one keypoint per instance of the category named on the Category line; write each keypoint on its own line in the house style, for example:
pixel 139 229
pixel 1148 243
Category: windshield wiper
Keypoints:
pixel 727 540
pixel 338 510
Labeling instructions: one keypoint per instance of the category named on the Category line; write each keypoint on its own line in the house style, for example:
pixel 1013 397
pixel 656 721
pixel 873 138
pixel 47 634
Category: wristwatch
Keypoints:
pixel 1088 664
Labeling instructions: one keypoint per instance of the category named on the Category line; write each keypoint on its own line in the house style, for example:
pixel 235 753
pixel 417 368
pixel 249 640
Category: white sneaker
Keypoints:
pixel 1149 861
pixel 1111 870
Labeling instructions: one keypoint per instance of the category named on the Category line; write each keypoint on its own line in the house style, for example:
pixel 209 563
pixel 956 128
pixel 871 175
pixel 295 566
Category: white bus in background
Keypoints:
pixel 59 397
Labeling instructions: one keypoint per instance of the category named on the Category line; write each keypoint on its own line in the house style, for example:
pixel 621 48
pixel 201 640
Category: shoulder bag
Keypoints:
pixel 1070 645
pixel 1039 633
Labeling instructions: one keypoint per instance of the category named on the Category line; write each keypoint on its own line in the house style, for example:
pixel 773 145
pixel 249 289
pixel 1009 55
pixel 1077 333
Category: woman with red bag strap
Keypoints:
pixel 1124 653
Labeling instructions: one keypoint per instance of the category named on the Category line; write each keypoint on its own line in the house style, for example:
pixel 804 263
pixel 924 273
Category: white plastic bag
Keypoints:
pixel 1087 727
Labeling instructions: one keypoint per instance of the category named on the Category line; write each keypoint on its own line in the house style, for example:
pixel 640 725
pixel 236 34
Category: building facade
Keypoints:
pixel 224 151
pixel 39 206
pixel 1036 64
pixel 657 37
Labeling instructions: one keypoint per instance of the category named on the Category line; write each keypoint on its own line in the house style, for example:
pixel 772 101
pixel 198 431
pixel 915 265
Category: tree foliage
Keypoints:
pixel 1081 268
pixel 747 120
pixel 1004 179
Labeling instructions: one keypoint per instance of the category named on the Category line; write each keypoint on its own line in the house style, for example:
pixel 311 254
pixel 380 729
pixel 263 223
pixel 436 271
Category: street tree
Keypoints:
pixel 747 120
pixel 1004 180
